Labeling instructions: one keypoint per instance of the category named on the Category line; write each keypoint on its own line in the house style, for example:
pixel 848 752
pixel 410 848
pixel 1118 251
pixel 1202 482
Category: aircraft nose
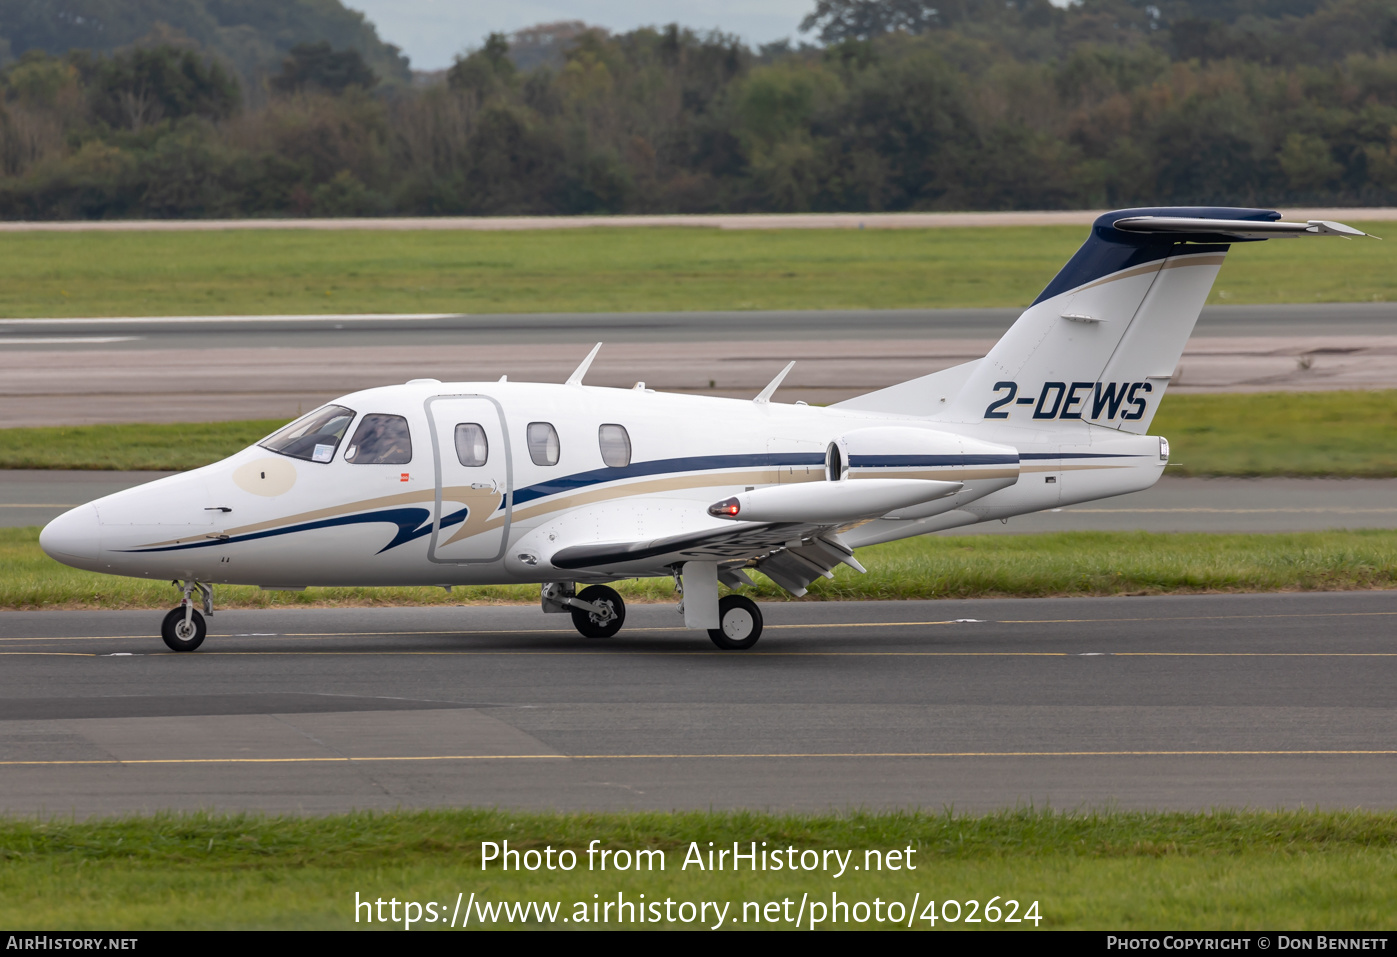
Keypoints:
pixel 73 538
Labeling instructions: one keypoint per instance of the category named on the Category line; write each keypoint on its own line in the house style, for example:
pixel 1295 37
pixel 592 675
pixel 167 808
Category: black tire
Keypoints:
pixel 587 623
pixel 739 623
pixel 179 636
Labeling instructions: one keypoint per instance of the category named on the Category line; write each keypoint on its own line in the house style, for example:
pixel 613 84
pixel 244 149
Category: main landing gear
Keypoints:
pixel 598 612
pixel 183 628
pixel 739 623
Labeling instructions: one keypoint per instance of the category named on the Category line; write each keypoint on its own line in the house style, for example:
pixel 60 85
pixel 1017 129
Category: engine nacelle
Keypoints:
pixel 906 452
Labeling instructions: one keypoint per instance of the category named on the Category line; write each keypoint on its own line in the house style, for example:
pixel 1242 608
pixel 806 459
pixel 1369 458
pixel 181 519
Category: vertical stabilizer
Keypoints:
pixel 1101 343
pixel 1102 340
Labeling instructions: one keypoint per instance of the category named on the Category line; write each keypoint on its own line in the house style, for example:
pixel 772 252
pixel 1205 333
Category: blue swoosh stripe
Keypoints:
pixel 410 522
pixel 1080 455
pixel 892 461
pixel 695 463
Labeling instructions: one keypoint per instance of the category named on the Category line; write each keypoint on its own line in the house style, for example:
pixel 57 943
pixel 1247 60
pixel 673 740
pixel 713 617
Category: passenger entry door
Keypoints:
pixel 474 479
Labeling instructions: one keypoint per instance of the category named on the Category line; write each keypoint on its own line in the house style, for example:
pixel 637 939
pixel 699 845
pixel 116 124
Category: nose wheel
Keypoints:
pixel 739 623
pixel 183 628
pixel 181 631
pixel 604 617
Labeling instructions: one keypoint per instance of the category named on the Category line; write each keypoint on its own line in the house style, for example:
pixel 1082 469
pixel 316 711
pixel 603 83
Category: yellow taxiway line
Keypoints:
pixel 505 633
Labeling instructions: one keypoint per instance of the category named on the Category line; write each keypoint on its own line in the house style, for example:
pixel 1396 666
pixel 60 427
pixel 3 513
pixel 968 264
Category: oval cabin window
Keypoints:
pixel 615 445
pixel 472 448
pixel 543 443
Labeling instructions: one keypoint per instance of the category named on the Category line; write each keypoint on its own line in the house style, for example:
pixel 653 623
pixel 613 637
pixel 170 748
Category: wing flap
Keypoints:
pixel 744 541
pixel 791 554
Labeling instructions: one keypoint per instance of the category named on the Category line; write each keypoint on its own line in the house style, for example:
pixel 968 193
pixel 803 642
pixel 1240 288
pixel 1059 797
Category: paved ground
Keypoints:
pixel 1173 505
pixel 172 369
pixel 1190 702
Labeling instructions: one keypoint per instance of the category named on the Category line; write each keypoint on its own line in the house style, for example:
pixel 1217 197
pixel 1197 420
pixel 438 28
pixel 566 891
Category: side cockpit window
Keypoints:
pixel 312 438
pixel 380 440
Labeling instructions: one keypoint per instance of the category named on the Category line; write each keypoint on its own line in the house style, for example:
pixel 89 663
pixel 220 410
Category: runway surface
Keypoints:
pixel 1188 702
pixel 173 369
pixel 1172 505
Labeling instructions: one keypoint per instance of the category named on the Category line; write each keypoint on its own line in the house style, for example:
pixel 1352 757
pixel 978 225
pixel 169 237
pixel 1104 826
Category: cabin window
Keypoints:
pixel 472 448
pixel 312 438
pixel 380 440
pixel 615 445
pixel 543 443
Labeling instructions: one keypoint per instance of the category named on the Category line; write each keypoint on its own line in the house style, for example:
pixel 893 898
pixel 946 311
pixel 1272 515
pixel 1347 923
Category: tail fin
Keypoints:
pixel 1101 342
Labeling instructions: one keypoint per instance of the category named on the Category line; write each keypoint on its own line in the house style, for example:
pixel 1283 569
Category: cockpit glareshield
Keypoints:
pixel 312 438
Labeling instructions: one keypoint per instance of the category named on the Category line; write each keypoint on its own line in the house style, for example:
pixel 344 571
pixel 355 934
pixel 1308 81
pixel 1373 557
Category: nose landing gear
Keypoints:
pixel 183 628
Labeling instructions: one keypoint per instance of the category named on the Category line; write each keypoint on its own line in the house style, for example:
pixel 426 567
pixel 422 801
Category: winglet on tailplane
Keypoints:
pixel 1101 342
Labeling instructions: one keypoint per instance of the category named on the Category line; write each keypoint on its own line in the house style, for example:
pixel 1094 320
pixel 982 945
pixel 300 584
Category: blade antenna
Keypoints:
pixel 580 371
pixel 765 395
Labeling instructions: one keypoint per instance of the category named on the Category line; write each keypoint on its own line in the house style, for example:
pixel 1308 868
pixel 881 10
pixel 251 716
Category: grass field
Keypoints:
pixel 598 270
pixel 1124 871
pixel 1283 433
pixel 1346 434
pixel 985 566
pixel 139 447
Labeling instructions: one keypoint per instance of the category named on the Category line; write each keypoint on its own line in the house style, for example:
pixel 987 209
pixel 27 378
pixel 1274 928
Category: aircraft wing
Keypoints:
pixel 792 554
pixel 788 533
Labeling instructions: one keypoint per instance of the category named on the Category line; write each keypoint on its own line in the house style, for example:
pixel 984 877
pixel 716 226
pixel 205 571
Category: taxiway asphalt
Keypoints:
pixel 203 368
pixel 1179 702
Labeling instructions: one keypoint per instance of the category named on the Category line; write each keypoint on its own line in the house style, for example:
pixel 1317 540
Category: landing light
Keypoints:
pixel 725 509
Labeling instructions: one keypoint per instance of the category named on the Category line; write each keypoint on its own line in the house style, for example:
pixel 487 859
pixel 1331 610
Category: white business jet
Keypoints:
pixel 571 486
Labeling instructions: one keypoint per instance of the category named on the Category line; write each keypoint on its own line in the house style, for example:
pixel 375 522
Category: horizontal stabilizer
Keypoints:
pixel 1195 229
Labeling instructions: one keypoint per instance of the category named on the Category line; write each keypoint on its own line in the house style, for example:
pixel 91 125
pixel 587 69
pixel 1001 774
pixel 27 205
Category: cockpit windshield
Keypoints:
pixel 315 437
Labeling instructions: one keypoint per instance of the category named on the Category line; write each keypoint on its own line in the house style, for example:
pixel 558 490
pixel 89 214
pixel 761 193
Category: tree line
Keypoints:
pixel 900 105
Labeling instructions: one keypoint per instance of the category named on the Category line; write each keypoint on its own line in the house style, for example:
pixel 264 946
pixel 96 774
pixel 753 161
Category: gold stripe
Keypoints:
pixel 1070 468
pixel 593 496
pixel 1174 262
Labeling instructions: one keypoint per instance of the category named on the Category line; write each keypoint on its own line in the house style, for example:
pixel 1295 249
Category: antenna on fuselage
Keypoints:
pixel 765 395
pixel 580 371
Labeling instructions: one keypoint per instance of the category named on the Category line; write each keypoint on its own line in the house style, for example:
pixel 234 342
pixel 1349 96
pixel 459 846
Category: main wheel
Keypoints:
pixel 739 623
pixel 592 625
pixel 181 635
